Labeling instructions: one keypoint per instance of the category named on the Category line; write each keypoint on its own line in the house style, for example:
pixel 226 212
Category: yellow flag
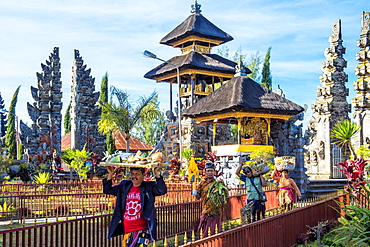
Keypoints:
pixel 192 169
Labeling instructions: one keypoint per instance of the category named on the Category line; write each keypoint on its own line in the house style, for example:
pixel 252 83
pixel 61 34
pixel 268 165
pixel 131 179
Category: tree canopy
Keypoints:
pixel 110 145
pixel 3 120
pixel 253 62
pixel 124 116
pixel 266 72
pixel 10 138
pixel 67 120
pixel 150 130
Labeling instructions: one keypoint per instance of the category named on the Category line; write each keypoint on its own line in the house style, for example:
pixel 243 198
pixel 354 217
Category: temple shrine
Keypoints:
pixel 217 93
pixel 200 73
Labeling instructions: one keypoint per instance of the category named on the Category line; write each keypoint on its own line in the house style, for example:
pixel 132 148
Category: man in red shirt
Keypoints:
pixel 134 214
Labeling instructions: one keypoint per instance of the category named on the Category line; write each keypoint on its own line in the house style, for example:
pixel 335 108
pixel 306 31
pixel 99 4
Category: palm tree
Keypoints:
pixel 342 134
pixel 124 116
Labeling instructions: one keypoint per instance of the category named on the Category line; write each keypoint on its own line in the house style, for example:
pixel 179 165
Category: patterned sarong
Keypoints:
pixel 209 222
pixel 136 239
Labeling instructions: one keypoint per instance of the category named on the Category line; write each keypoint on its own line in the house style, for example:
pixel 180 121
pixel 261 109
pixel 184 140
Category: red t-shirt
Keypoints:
pixel 133 219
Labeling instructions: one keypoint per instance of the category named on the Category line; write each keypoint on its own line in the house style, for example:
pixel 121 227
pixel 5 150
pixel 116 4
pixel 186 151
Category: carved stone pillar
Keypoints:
pixel 85 112
pixel 329 108
pixel 361 102
pixel 44 135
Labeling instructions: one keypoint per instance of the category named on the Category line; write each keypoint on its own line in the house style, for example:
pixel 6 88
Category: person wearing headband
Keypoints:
pixel 213 195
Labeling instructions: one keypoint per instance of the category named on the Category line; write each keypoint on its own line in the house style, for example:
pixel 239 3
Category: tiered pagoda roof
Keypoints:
pixel 242 96
pixel 196 28
pixel 194 60
pixel 195 36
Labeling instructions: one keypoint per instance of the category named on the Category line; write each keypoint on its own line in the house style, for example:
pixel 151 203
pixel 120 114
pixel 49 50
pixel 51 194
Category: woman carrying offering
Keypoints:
pixel 287 190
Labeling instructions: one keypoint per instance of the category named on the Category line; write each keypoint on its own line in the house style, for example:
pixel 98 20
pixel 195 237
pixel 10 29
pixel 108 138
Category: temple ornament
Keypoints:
pixel 44 136
pixel 195 8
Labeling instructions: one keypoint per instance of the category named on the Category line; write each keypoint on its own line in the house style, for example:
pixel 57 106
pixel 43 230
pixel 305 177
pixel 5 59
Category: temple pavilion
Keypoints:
pixel 213 97
pixel 248 104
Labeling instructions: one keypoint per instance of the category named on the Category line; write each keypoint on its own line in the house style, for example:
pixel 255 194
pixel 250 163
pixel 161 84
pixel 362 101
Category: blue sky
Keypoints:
pixel 111 36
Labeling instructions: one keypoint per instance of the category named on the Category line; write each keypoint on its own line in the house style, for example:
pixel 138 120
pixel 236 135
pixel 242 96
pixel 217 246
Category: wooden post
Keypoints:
pixel 214 131
pixel 239 130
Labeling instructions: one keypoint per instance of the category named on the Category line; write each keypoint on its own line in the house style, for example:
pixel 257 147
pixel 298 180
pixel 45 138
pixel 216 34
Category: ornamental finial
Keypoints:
pixel 195 8
pixel 240 69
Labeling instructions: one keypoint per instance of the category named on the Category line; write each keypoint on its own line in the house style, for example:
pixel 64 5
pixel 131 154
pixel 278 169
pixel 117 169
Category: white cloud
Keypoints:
pixel 112 34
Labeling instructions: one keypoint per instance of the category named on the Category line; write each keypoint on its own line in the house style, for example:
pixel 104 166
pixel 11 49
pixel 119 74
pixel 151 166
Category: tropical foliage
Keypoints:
pixel 364 153
pixel 42 178
pixel 150 130
pixel 218 193
pixel 356 222
pixel 6 207
pixel 355 171
pixel 110 145
pixel 342 134
pixel 76 160
pixel 187 153
pixel 124 116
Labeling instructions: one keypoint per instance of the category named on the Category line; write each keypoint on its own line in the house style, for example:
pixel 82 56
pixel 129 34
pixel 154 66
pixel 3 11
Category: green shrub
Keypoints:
pixel 356 222
pixel 187 153
pixel 42 178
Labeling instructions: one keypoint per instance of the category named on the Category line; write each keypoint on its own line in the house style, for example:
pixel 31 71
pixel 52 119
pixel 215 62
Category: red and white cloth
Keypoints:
pixel 133 219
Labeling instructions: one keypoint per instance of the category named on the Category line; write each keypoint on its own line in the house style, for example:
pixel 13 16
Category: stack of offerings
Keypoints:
pixel 285 163
pixel 259 167
pixel 135 160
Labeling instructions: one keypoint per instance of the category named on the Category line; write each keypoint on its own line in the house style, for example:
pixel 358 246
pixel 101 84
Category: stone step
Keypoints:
pixel 320 190
pixel 326 185
pixel 320 181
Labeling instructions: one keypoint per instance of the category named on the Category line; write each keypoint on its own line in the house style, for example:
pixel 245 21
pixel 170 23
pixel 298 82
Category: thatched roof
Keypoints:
pixel 196 24
pixel 194 60
pixel 242 94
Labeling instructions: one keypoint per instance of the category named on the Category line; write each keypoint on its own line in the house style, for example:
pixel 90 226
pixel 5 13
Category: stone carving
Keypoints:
pixel 313 160
pixel 361 102
pixel 170 116
pixel 44 135
pixel 322 150
pixel 84 109
pixel 279 91
pixel 329 108
pixel 240 69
